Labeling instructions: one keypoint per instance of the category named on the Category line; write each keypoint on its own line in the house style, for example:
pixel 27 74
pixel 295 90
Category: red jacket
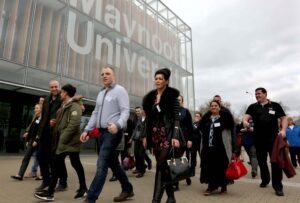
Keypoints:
pixel 280 156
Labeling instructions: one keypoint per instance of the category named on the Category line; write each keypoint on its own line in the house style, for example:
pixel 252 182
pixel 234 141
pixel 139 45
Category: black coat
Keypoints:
pixel 47 114
pixel 215 160
pixel 186 123
pixel 169 107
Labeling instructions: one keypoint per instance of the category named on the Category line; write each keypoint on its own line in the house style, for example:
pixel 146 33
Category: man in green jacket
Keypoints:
pixel 66 142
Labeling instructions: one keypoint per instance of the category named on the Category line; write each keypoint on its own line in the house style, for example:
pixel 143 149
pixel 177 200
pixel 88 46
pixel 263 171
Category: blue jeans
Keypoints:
pixel 35 164
pixel 251 152
pixel 108 144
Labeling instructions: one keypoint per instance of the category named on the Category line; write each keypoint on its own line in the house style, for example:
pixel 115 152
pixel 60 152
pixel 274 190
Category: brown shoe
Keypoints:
pixel 123 196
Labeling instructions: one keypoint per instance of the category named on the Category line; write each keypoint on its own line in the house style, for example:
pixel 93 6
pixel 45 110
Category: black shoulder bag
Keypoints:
pixel 177 169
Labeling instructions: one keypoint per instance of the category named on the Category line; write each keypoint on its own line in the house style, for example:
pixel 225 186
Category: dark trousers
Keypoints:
pixel 147 159
pixel 139 154
pixel 59 167
pixel 161 157
pixel 46 161
pixel 295 154
pixel 28 153
pixel 193 152
pixel 44 158
pixel 262 151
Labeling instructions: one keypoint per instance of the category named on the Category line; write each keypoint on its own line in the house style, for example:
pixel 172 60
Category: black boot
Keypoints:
pixel 158 188
pixel 170 193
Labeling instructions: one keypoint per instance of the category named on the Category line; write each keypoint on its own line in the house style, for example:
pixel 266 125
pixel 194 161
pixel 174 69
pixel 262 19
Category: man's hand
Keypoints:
pixel 246 124
pixel 282 133
pixel 84 137
pixel 145 142
pixel 25 135
pixel 175 143
pixel 53 122
pixel 189 144
pixel 112 128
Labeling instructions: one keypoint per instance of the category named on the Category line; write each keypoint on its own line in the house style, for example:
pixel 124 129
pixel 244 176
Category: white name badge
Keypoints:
pixel 158 108
pixel 217 125
pixel 272 112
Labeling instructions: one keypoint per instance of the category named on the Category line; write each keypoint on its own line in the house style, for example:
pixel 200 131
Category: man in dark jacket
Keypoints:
pixel 66 142
pixel 44 136
pixel 196 139
pixel 186 125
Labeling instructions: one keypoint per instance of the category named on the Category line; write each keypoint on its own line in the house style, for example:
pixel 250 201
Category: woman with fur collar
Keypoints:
pixel 162 118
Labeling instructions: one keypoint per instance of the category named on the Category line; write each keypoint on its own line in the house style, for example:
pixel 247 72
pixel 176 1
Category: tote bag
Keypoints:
pixel 236 169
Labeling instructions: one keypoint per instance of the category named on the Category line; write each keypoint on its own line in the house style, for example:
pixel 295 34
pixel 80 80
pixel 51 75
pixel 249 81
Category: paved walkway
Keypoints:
pixel 244 190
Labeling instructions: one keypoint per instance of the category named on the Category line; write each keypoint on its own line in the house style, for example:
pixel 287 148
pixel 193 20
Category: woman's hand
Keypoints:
pixel 34 144
pixel 234 156
pixel 145 142
pixel 175 143
pixel 189 144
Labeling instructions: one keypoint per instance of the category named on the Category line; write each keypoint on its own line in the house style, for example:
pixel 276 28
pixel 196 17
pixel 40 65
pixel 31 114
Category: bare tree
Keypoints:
pixel 284 107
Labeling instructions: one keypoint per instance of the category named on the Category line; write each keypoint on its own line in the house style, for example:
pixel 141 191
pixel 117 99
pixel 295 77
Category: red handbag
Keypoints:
pixel 128 163
pixel 236 169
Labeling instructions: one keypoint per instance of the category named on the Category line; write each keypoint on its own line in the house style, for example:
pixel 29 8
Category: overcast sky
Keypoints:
pixel 239 45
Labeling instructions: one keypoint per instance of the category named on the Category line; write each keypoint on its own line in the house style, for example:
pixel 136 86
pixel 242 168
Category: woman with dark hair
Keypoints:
pixel 218 147
pixel 162 122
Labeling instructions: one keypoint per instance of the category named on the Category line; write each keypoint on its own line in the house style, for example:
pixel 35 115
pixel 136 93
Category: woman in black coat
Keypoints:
pixel 218 147
pixel 162 121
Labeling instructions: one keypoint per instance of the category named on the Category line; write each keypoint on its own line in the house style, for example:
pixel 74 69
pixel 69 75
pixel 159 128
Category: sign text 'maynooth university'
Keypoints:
pixel 109 15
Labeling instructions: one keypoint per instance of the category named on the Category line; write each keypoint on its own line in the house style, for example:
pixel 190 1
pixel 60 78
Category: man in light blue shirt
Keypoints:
pixel 110 116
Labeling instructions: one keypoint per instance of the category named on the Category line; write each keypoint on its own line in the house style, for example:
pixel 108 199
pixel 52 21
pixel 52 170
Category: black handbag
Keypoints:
pixel 177 169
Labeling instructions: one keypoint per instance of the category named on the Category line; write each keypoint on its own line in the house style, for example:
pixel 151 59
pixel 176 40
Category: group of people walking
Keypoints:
pixel 55 133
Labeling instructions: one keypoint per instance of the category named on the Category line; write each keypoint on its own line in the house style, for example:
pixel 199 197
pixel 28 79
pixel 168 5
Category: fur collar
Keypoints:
pixel 168 95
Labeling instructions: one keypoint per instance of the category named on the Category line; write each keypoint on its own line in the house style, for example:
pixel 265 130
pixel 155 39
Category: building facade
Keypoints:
pixel 71 40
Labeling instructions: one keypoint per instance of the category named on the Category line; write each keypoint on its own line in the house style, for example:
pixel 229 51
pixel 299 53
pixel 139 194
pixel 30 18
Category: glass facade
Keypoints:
pixel 71 40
